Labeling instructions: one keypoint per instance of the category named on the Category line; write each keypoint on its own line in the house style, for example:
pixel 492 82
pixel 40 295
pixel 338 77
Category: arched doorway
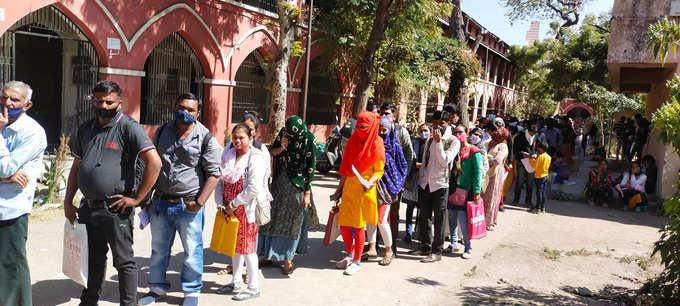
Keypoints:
pixel 251 92
pixel 323 98
pixel 49 52
pixel 171 69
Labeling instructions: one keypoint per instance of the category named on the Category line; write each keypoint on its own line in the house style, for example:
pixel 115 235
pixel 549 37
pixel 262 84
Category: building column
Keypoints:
pixel 475 108
pixel 130 82
pixel 217 112
pixel 440 101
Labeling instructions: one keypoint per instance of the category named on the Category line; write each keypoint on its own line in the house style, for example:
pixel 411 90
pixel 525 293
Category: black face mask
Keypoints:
pixel 106 113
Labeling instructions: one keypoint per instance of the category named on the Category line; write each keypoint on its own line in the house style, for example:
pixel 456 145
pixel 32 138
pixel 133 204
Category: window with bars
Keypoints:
pixel 171 69
pixel 324 94
pixel 251 92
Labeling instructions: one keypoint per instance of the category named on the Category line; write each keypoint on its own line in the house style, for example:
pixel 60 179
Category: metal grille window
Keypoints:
pixel 251 92
pixel 324 98
pixel 267 5
pixel 171 69
pixel 48 50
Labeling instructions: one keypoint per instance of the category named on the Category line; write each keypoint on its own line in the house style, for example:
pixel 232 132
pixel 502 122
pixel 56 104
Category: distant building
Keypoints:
pixel 532 33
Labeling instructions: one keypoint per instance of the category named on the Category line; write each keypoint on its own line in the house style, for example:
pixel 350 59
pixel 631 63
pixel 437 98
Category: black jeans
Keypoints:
pixel 524 178
pixel 104 230
pixel 394 222
pixel 432 202
pixel 540 192
pixel 15 278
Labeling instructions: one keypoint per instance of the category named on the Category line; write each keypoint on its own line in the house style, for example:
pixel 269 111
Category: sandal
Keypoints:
pixel 228 270
pixel 367 256
pixel 387 260
pixel 287 270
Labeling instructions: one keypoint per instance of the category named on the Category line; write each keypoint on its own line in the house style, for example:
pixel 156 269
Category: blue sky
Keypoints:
pixel 491 14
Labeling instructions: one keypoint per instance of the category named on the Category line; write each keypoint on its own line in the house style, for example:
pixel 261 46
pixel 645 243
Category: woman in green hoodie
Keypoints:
pixel 472 171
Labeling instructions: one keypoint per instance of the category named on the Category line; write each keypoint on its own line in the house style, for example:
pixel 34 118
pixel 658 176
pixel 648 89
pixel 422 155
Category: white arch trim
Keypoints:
pixel 245 36
pixel 131 42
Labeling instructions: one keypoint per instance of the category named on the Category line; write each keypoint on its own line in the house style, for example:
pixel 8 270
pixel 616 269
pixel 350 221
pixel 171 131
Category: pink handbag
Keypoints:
pixel 476 220
pixel 458 198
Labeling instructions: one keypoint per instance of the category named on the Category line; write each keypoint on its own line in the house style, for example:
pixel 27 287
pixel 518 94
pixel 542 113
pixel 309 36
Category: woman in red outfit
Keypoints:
pixel 240 190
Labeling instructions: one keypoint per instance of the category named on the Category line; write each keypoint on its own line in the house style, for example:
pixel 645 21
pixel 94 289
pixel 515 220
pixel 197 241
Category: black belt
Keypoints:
pixel 174 199
pixel 95 203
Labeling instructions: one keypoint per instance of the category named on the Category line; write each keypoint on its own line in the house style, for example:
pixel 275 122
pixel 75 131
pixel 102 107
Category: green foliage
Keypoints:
pixel 414 52
pixel 566 10
pixel 55 170
pixel 664 34
pixel 580 55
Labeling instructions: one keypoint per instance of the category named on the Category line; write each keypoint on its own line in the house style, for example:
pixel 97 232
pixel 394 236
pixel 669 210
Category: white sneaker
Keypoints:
pixel 467 255
pixel 352 269
pixel 455 247
pixel 344 263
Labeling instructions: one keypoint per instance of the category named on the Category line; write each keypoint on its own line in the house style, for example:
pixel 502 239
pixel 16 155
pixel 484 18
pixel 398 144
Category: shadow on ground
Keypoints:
pixel 516 295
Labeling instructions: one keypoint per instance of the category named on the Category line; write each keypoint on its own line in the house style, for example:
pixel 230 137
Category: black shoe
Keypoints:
pixel 420 252
pixel 408 238
pixel 502 209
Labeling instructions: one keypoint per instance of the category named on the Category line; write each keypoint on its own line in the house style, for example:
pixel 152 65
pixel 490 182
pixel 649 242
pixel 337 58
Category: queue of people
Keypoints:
pixel 440 171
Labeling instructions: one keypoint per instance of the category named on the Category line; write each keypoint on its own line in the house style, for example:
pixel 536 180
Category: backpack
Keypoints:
pixel 140 166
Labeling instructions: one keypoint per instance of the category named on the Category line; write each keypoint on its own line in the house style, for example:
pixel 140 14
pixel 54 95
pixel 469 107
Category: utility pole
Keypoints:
pixel 309 56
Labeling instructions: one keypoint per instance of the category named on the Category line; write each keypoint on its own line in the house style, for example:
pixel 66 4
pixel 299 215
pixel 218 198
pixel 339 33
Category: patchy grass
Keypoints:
pixel 472 272
pixel 552 254
pixel 585 253
pixel 644 262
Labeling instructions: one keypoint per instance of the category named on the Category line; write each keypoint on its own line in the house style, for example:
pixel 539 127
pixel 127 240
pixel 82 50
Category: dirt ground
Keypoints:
pixel 558 258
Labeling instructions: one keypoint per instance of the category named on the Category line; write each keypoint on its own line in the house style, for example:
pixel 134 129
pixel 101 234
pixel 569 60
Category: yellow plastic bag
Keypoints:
pixel 224 235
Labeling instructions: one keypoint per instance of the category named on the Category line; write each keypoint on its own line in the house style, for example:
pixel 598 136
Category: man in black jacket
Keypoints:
pixel 525 145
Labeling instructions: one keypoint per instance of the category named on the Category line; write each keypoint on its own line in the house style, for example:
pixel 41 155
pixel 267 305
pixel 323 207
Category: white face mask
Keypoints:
pixel 425 135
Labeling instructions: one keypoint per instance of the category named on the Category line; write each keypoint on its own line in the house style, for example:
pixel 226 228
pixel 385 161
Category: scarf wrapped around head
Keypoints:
pixel 365 147
pixel 396 167
pixel 498 136
pixel 298 158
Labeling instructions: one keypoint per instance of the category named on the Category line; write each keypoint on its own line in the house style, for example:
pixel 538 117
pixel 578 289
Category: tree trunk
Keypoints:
pixel 363 89
pixel 458 95
pixel 279 88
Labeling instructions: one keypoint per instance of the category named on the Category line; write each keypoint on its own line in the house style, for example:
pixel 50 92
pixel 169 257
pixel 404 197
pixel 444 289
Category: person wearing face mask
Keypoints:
pixel 411 185
pixel 190 157
pixel 105 151
pixel 493 195
pixel 241 188
pixel 22 143
pixel 434 175
pixel 404 139
pixel 361 169
pixel 523 147
pixel 292 193
pixel 389 187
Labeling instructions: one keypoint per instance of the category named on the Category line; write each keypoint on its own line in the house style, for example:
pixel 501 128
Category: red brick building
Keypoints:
pixel 155 49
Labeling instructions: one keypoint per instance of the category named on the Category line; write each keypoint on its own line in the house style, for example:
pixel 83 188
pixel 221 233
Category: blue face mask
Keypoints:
pixel 183 117
pixel 14 112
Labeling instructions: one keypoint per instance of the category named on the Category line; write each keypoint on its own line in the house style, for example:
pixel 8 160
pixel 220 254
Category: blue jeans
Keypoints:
pixel 459 217
pixel 166 220
pixel 540 192
pixel 524 179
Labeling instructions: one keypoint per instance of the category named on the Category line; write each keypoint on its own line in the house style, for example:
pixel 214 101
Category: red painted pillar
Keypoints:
pixel 217 109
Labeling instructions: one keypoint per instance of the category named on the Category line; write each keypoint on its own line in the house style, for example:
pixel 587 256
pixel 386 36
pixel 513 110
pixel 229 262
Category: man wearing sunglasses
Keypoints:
pixel 404 139
pixel 22 143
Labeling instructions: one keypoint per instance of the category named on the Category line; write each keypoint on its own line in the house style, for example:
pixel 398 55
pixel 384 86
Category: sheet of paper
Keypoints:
pixel 363 182
pixel 527 166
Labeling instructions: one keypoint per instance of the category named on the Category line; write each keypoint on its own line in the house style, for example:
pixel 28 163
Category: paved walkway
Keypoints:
pixel 316 281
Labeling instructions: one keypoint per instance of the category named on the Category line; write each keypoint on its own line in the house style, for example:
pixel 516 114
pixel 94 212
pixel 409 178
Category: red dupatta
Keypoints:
pixel 364 147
